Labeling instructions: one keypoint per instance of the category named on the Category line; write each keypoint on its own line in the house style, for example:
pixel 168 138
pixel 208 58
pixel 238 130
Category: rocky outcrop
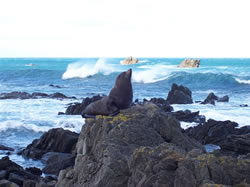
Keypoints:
pixel 224 134
pixel 35 95
pixel 190 63
pixel 211 98
pixel 163 104
pixel 55 140
pixel 143 146
pixel 128 61
pixel 179 95
pixel 77 108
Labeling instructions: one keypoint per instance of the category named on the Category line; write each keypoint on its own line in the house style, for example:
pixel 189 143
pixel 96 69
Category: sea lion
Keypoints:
pixel 120 97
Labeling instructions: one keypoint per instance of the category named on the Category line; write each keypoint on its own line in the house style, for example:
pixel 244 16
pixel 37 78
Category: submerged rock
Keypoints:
pixel 130 60
pixel 190 63
pixel 143 146
pixel 179 95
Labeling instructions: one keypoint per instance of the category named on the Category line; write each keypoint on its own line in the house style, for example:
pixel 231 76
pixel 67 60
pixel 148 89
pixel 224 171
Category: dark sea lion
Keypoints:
pixel 120 97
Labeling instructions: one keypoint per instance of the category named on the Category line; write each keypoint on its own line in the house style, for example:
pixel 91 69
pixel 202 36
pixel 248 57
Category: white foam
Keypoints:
pixel 83 70
pixel 242 81
pixel 151 74
pixel 186 125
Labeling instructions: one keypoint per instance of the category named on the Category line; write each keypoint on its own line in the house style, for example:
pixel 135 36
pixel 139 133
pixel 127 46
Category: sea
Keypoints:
pixel 22 121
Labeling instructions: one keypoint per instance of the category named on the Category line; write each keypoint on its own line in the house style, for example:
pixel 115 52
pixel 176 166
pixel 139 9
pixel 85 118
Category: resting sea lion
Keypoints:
pixel 120 97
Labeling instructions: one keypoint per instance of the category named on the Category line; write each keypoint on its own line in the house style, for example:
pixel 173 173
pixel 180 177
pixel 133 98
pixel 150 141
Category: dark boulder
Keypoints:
pixel 211 98
pixel 34 170
pixel 55 140
pixel 224 134
pixel 161 103
pixel 37 95
pixel 189 116
pixel 77 108
pixel 179 95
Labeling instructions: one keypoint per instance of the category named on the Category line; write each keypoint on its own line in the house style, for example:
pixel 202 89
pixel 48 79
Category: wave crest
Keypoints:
pixel 83 70
pixel 242 81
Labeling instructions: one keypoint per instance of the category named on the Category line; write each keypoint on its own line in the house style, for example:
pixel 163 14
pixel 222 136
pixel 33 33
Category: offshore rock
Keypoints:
pixel 179 95
pixel 190 63
pixel 106 144
pixel 55 140
pixel 130 60
pixel 211 98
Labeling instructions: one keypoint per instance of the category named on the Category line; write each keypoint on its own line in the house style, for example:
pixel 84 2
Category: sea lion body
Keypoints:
pixel 120 97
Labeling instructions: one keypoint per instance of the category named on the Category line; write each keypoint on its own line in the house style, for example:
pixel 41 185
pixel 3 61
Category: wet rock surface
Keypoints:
pixel 211 98
pixel 179 95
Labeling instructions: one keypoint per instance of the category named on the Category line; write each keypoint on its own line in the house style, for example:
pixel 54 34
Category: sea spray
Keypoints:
pixel 82 69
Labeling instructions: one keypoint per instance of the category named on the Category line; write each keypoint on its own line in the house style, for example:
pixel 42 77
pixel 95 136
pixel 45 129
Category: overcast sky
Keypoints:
pixel 115 28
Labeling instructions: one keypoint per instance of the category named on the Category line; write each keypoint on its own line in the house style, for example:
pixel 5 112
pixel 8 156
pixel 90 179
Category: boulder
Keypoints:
pixel 107 143
pixel 188 116
pixel 6 183
pixel 77 108
pixel 128 61
pixel 179 95
pixel 161 103
pixel 5 148
pixel 224 134
pixel 190 63
pixel 55 140
pixel 211 98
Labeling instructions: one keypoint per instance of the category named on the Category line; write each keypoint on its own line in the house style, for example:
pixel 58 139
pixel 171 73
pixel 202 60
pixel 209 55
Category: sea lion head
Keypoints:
pixel 124 77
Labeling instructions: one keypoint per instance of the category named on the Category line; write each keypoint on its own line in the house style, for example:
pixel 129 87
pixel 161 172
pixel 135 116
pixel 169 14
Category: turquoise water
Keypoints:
pixel 23 120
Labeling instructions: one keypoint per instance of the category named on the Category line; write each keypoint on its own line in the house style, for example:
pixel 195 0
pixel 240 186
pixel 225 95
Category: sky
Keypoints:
pixel 115 28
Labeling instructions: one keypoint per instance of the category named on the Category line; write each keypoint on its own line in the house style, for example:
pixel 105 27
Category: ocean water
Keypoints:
pixel 21 121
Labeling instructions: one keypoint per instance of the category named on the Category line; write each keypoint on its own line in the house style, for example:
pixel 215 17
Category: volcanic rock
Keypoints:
pixel 179 95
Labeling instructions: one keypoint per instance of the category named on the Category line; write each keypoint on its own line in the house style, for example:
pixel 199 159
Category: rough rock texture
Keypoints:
pixel 143 146
pixel 211 98
pixel 222 133
pixel 15 173
pixel 77 108
pixel 161 103
pixel 107 143
pixel 179 95
pixel 189 116
pixel 55 140
pixel 190 63
pixel 128 61
pixel 35 95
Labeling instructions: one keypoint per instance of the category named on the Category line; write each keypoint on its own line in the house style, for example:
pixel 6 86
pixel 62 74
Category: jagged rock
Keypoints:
pixel 221 133
pixel 211 98
pixel 77 108
pixel 107 143
pixel 190 63
pixel 189 116
pixel 15 173
pixel 6 183
pixel 237 143
pixel 34 170
pixel 55 140
pixel 128 61
pixel 179 95
pixel 161 103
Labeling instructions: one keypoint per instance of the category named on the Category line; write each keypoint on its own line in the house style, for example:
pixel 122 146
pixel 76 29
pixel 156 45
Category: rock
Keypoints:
pixel 38 95
pixel 244 105
pixel 15 173
pixel 34 170
pixel 237 143
pixel 211 98
pixel 161 103
pixel 179 95
pixel 55 86
pixel 6 183
pixel 55 140
pixel 77 108
pixel 223 134
pixel 190 63
pixel 15 95
pixel 60 96
pixel 128 61
pixel 4 148
pixel 106 144
pixel 189 116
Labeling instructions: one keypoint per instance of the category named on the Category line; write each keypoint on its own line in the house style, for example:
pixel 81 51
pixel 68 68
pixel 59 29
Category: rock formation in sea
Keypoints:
pixel 179 95
pixel 211 98
pixel 190 63
pixel 130 60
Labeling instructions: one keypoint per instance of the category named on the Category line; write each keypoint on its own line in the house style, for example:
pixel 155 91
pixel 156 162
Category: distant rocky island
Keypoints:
pixel 190 63
pixel 130 60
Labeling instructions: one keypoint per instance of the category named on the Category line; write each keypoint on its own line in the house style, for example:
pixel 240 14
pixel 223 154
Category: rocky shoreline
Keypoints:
pixel 142 146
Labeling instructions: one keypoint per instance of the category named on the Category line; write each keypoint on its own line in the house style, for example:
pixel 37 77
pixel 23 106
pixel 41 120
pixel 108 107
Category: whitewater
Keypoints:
pixel 21 121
